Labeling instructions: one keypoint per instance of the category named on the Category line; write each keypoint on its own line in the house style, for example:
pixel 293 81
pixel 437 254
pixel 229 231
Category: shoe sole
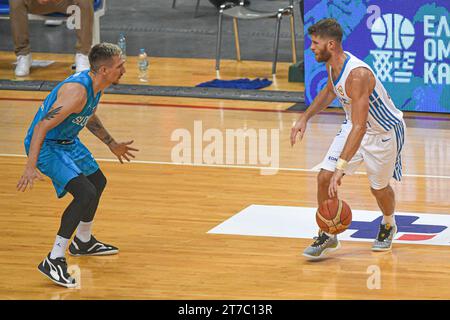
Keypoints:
pixel 386 249
pixel 382 249
pixel 105 253
pixel 324 253
pixel 67 285
pixel 22 75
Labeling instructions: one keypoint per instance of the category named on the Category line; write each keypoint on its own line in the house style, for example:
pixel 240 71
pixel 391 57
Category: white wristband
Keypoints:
pixel 341 164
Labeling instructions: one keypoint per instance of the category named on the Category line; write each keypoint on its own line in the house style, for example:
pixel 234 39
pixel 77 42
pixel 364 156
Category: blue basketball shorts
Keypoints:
pixel 63 162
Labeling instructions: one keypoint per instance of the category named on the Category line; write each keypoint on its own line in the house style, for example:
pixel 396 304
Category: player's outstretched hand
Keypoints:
pixel 27 179
pixel 298 128
pixel 122 150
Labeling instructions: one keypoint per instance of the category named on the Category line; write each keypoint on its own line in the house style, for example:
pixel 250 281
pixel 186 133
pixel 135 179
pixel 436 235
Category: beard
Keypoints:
pixel 323 56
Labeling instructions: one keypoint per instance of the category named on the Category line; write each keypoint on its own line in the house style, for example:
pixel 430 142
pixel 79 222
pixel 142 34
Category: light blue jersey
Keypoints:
pixel 62 156
pixel 71 126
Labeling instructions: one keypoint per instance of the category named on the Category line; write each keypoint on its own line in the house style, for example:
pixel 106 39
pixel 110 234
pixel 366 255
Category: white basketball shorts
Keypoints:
pixel 381 154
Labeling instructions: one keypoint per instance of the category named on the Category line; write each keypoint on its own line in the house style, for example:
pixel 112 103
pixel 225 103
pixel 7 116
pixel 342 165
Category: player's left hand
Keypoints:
pixel 335 182
pixel 122 150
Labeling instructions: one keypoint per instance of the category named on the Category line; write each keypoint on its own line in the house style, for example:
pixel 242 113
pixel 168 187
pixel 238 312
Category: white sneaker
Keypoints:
pixel 53 23
pixel 23 65
pixel 82 62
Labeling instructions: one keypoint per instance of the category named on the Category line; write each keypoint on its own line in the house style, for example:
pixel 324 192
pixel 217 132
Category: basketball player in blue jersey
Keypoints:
pixel 373 131
pixel 53 147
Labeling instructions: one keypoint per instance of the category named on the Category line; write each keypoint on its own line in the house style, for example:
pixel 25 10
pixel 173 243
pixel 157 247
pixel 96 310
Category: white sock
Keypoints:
pixel 59 248
pixel 84 231
pixel 329 234
pixel 388 219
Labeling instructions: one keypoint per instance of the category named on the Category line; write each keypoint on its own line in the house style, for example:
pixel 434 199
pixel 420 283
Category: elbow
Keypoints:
pixel 41 128
pixel 360 129
pixel 38 127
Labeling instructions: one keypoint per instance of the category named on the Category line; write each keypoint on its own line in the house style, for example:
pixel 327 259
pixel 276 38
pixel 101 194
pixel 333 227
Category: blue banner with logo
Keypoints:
pixel 406 43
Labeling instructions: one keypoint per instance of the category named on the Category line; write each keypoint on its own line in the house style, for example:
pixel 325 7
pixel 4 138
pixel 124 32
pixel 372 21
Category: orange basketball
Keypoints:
pixel 334 216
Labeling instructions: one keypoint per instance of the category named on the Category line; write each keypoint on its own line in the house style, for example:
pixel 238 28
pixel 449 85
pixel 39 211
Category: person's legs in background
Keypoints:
pixel 19 10
pixel 84 34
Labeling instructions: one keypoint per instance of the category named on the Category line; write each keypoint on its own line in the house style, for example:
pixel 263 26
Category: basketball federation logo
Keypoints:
pixel 393 34
pixel 340 90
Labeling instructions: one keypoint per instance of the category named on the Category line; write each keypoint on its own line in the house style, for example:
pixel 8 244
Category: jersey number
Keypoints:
pixel 81 120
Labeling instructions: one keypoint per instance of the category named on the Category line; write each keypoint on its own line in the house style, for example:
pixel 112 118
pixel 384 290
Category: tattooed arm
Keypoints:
pixel 96 127
pixel 119 149
pixel 71 99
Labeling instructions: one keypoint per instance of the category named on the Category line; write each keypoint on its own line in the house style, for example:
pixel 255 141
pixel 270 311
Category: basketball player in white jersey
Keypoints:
pixel 373 131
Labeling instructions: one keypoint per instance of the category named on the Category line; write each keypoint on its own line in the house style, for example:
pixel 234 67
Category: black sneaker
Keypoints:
pixel 56 270
pixel 91 248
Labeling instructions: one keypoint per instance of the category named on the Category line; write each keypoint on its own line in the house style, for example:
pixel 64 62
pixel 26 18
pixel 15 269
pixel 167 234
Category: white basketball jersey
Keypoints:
pixel 383 115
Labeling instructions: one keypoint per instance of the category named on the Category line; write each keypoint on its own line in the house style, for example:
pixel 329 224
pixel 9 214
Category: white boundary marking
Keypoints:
pixel 314 169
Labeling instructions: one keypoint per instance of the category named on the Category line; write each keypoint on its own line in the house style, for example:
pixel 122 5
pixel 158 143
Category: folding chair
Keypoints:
pixel 244 13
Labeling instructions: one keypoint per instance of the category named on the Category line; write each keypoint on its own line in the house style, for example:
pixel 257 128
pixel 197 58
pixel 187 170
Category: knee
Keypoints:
pixel 98 180
pixel 374 192
pixel 379 192
pixel 86 196
pixel 101 184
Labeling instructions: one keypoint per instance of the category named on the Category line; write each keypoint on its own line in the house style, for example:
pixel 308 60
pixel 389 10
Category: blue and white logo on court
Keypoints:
pixel 300 222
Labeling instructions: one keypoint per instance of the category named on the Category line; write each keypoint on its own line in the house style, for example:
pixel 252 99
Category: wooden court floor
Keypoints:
pixel 159 213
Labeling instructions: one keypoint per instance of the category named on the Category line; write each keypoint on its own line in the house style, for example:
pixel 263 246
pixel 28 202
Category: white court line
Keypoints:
pixel 231 166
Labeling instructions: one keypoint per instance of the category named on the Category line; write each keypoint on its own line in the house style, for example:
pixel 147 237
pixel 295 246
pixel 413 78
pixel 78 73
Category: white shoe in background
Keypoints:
pixel 23 65
pixel 82 62
pixel 53 23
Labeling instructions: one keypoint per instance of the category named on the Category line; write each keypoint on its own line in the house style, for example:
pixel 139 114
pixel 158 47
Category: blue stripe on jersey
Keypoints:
pixel 342 70
pixel 396 169
pixel 400 138
pixel 380 118
pixel 379 107
pixel 384 108
pixel 376 117
pixel 381 113
pixel 392 122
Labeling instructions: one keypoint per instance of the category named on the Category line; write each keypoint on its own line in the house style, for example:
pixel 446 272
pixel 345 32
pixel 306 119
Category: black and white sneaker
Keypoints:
pixel 56 270
pixel 91 248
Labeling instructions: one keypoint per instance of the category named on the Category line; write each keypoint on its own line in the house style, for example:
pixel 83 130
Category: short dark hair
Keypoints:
pixel 327 28
pixel 102 52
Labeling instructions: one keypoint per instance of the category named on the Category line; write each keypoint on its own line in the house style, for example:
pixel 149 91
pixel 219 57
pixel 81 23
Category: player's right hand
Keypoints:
pixel 298 128
pixel 27 179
